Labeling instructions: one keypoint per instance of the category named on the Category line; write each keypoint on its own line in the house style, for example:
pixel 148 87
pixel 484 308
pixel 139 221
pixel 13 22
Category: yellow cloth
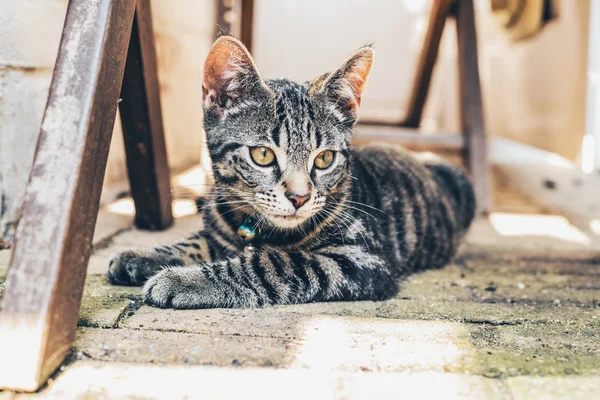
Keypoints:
pixel 523 19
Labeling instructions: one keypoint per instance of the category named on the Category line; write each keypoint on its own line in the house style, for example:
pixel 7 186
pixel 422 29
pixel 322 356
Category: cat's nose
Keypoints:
pixel 297 200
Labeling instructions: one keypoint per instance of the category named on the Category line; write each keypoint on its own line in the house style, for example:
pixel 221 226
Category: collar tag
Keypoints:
pixel 249 231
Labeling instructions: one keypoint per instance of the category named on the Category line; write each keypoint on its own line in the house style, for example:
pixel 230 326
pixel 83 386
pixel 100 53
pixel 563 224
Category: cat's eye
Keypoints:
pixel 324 159
pixel 263 156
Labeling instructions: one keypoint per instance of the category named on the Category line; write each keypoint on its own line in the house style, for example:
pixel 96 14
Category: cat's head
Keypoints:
pixel 280 146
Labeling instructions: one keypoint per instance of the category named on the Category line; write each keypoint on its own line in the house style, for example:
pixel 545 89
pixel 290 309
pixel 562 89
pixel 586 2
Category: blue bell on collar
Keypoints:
pixel 248 231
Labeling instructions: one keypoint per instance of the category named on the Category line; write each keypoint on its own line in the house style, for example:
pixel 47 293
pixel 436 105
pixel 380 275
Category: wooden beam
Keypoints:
pixel 471 104
pixel 440 10
pixel 143 134
pixel 409 138
pixel 247 20
pixel 229 18
pixel 52 246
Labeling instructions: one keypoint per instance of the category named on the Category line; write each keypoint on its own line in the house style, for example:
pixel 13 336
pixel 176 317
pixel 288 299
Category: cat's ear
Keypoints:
pixel 229 74
pixel 345 85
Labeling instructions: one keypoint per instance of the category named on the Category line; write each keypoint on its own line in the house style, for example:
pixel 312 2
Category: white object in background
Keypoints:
pixel 548 179
pixel 590 152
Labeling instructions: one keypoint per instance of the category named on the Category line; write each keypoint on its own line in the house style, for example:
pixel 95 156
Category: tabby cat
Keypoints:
pixel 330 223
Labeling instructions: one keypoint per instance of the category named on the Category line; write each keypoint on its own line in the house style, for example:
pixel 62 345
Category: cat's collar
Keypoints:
pixel 249 231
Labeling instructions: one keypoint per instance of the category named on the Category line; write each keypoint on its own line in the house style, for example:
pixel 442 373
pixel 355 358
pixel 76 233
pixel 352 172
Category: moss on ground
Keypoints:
pixel 526 314
pixel 103 305
pixel 541 350
pixel 503 362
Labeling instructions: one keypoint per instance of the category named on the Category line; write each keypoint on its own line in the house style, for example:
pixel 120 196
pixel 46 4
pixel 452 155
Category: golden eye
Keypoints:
pixel 263 156
pixel 324 159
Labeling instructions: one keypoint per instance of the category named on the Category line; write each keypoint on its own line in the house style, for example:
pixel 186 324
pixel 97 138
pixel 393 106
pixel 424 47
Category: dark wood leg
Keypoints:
pixel 471 104
pixel 440 10
pixel 141 117
pixel 224 26
pixel 240 25
pixel 52 244
pixel 247 23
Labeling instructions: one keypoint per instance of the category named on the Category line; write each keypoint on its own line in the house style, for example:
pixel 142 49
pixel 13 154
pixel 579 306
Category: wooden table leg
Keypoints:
pixel 141 117
pixel 247 21
pixel 236 18
pixel 471 104
pixel 440 10
pixel 52 245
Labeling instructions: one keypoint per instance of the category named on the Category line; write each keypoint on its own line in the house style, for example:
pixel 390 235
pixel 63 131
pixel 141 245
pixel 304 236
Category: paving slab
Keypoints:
pixel 537 337
pixel 504 362
pixel 455 311
pixel 554 388
pixel 279 322
pixel 331 343
pixel 96 380
pixel 486 349
pixel 350 343
pixel 536 262
pixel 483 282
pixel 122 345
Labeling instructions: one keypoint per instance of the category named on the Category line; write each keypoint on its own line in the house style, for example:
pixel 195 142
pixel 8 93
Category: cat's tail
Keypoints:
pixel 458 186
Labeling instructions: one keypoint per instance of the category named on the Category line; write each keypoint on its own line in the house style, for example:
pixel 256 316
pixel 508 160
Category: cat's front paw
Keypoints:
pixel 180 288
pixel 133 269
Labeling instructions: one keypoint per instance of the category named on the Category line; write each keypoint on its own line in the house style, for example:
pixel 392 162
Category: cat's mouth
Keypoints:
pixel 286 221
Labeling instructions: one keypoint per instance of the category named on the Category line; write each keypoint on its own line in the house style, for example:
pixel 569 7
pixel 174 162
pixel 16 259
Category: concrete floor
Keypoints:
pixel 517 316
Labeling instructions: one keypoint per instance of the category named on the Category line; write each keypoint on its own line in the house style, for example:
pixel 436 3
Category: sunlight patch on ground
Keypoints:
pixel 181 207
pixel 122 206
pixel 192 181
pixel 187 187
pixel 555 226
pixel 379 345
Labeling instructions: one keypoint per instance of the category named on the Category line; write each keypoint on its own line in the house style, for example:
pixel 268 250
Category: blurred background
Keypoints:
pixel 535 84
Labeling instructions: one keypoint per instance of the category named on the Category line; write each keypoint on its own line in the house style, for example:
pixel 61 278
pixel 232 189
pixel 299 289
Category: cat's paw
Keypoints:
pixel 188 287
pixel 133 269
pixel 179 288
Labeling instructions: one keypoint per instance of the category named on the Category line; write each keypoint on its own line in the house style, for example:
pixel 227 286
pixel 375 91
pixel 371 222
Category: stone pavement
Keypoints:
pixel 515 317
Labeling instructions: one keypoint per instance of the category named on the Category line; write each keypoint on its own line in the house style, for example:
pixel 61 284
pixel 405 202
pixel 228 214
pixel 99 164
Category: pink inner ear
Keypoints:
pixel 356 70
pixel 224 68
pixel 356 75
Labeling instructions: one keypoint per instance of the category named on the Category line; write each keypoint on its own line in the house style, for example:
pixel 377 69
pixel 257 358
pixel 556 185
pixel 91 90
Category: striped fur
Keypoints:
pixel 374 216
